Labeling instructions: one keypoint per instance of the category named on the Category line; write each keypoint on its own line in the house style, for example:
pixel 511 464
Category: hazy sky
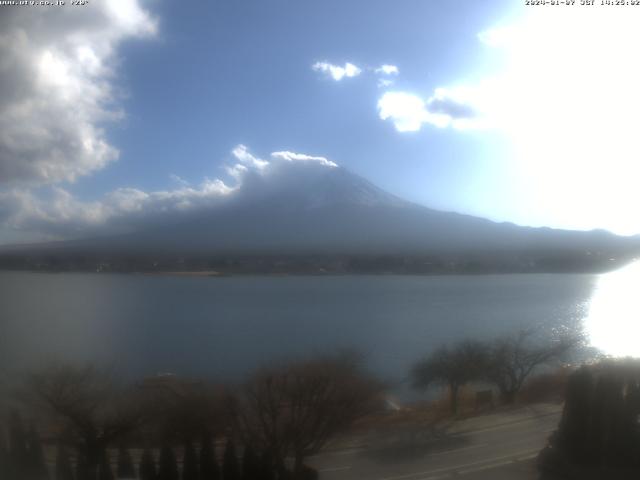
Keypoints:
pixel 121 108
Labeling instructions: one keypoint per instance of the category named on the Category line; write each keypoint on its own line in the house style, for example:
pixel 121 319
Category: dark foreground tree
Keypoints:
pixel 267 469
pixel 125 464
pixel 230 466
pixel 598 435
pixel 513 358
pixel 37 467
pixel 189 462
pixel 93 409
pixel 18 451
pixel 104 467
pixel 209 469
pixel 4 458
pixel 251 465
pixel 147 468
pixel 63 464
pixel 82 469
pixel 295 409
pixel 168 468
pixel 186 408
pixel 451 366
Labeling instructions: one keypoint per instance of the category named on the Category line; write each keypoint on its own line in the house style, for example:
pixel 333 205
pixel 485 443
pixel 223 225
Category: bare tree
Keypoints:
pixel 294 410
pixel 90 408
pixel 186 409
pixel 453 366
pixel 512 358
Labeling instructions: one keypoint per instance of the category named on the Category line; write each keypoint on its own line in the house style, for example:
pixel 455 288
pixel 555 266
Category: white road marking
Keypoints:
pixel 339 453
pixel 335 469
pixel 497 464
pixel 356 450
pixel 509 425
pixel 527 457
pixel 439 477
pixel 497 461
pixel 353 451
pixel 488 466
pixel 454 450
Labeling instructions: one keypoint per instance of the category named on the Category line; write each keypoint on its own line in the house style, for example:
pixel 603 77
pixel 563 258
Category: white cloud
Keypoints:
pixel 387 69
pixel 564 98
pixel 497 37
pixel 300 157
pixel 384 82
pixel 57 212
pixel 236 171
pixel 445 108
pixel 405 110
pixel 242 154
pixel 458 105
pixel 337 72
pixel 57 68
pixel 54 212
pixel 178 180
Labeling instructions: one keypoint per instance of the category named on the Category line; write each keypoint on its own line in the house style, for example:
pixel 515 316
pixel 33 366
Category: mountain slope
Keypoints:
pixel 330 211
pixel 336 211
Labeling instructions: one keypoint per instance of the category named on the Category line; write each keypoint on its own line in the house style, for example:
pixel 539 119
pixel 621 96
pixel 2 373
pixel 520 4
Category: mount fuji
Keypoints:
pixel 324 211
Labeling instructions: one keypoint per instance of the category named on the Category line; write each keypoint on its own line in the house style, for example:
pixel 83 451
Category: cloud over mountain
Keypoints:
pixel 60 214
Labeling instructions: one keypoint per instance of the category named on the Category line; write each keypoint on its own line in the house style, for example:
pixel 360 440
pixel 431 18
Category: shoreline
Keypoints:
pixel 218 274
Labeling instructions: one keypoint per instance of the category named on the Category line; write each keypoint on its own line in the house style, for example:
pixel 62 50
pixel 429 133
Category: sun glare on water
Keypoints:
pixel 567 98
pixel 613 321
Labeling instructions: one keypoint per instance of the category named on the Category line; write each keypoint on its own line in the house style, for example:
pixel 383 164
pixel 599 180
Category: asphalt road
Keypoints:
pixel 495 449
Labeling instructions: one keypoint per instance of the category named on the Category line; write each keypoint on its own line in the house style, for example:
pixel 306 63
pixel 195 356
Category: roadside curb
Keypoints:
pixel 365 445
pixel 510 422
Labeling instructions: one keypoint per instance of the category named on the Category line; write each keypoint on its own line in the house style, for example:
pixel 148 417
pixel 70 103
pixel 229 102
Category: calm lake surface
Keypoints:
pixel 225 327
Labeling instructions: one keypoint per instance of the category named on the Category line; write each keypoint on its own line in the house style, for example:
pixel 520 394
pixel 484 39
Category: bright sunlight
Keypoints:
pixel 567 97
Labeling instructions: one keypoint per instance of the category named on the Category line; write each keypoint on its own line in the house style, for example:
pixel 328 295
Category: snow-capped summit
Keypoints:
pixel 298 204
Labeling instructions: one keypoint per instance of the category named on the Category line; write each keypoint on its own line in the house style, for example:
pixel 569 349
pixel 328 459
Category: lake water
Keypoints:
pixel 225 327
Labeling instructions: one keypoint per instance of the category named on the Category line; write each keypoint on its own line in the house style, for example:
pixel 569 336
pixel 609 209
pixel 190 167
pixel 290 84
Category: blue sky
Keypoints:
pixel 493 109
pixel 240 73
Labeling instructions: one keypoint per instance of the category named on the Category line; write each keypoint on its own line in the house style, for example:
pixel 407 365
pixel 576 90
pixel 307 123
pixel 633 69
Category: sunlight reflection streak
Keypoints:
pixel 613 321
